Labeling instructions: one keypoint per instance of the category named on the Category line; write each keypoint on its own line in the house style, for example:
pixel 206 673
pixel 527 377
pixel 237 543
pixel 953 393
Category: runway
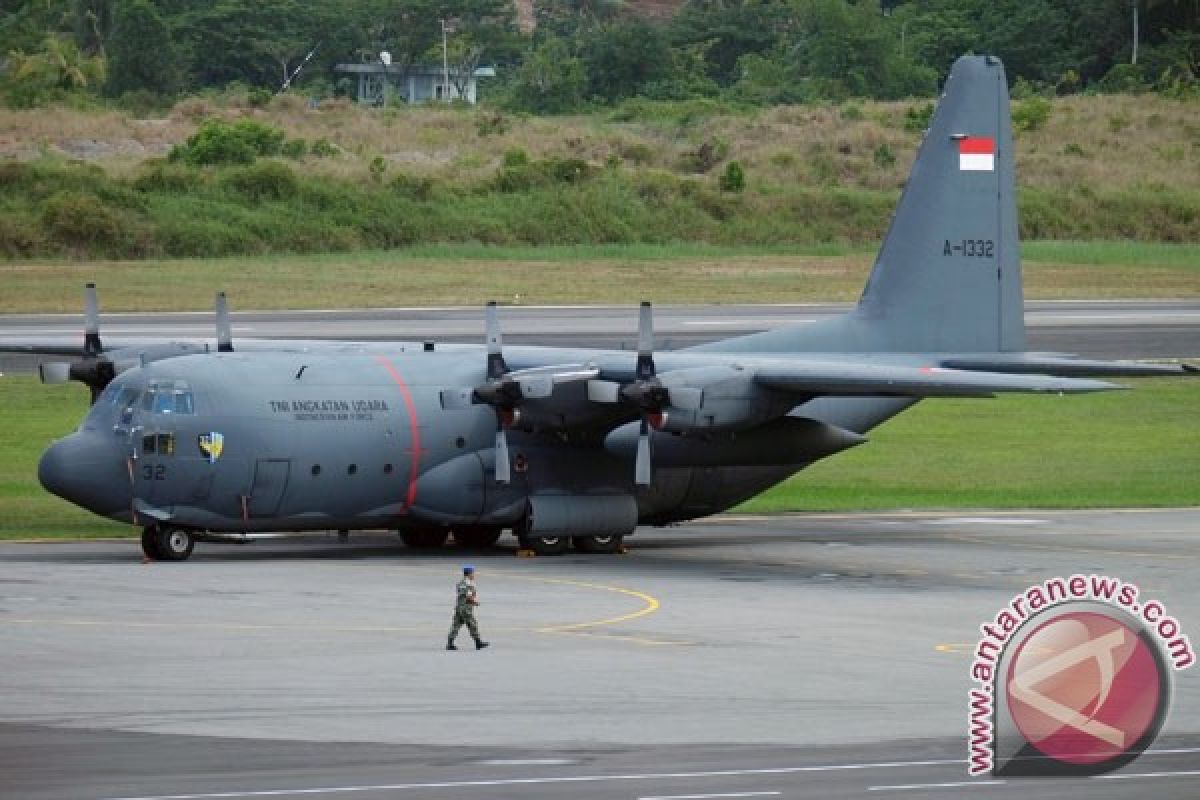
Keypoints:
pixel 820 655
pixel 1095 329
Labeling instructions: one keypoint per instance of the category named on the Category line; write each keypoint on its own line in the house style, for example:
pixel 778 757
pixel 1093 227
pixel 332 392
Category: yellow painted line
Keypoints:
pixel 954 647
pixel 651 604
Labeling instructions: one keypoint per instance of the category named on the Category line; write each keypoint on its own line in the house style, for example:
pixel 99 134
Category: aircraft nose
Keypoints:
pixel 84 471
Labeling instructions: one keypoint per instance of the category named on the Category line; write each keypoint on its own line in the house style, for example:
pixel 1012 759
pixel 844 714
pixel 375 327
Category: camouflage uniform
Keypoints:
pixel 464 613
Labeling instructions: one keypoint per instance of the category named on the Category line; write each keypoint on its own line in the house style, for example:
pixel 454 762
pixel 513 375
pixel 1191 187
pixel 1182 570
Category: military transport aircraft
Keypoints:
pixel 568 447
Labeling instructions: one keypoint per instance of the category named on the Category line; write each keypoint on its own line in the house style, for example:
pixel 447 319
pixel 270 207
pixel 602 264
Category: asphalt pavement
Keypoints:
pixel 822 655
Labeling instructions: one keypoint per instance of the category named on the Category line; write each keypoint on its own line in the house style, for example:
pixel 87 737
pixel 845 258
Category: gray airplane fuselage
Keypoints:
pixel 366 441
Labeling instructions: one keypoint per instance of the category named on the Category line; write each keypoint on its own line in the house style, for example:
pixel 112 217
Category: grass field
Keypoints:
pixel 474 274
pixel 1134 448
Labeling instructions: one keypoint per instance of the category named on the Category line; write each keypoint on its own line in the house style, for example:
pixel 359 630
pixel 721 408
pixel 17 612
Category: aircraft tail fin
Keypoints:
pixel 948 275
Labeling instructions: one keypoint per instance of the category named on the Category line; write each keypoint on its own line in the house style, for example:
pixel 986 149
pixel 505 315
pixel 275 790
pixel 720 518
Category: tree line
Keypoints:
pixel 589 53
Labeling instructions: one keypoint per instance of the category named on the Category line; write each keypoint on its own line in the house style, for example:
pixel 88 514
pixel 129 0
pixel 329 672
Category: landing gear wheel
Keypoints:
pixel 549 545
pixel 150 543
pixel 173 544
pixel 476 537
pixel 425 539
pixel 611 543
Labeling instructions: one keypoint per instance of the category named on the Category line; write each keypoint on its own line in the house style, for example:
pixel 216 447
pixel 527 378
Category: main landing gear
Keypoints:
pixel 558 545
pixel 482 537
pixel 167 542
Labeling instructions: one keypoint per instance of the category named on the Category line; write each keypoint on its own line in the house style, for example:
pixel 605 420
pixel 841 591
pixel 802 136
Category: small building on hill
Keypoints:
pixel 420 83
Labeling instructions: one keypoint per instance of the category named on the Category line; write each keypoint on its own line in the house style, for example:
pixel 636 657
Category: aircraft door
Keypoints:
pixel 270 481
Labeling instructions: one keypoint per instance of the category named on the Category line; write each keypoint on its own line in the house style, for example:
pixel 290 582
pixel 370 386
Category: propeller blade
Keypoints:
pixel 495 354
pixel 91 322
pixel 224 328
pixel 641 465
pixel 502 466
pixel 645 358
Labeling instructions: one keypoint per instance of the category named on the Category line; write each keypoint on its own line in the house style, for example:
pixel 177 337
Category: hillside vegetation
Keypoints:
pixel 218 176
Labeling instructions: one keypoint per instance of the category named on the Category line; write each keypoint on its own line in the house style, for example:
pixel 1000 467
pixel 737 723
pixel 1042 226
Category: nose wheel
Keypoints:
pixel 167 543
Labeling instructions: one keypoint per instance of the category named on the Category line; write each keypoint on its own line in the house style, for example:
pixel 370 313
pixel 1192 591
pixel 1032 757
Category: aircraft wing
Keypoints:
pixel 1063 365
pixel 852 379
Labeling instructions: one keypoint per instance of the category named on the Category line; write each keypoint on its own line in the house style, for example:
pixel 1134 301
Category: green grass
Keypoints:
pixel 471 274
pixel 36 415
pixel 1135 448
pixel 1114 253
pixel 1114 449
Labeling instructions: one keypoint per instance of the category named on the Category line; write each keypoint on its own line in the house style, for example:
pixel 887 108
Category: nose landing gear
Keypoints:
pixel 167 542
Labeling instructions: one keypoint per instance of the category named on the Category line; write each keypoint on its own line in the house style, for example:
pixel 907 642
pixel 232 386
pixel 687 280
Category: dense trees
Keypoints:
pixel 587 52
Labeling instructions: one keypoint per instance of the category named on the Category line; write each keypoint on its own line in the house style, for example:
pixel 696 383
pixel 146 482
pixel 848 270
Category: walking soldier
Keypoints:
pixel 464 610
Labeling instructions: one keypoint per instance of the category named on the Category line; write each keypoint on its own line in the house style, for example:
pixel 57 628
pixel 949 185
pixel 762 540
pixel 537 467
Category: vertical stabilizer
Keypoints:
pixel 948 276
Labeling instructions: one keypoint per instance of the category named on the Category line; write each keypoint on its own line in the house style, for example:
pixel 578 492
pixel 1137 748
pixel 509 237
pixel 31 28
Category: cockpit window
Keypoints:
pixel 168 397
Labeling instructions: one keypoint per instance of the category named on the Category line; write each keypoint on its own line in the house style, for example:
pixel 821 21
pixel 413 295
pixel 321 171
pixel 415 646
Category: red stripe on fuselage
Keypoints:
pixel 413 429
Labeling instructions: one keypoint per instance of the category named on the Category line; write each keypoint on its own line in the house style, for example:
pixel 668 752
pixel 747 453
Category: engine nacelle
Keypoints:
pixel 710 399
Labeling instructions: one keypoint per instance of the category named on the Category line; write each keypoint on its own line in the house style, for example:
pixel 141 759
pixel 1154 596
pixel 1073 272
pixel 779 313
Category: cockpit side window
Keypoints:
pixel 126 402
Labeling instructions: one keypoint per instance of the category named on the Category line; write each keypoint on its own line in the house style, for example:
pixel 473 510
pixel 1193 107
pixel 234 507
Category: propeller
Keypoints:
pixel 647 393
pixel 503 396
pixel 94 369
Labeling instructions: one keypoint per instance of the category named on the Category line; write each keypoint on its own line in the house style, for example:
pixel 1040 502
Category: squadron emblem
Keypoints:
pixel 211 445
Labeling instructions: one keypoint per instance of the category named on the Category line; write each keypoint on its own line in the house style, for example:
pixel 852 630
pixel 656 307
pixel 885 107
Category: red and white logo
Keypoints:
pixel 1072 677
pixel 977 154
pixel 1084 688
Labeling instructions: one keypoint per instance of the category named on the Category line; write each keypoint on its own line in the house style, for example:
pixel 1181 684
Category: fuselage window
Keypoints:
pixel 148 444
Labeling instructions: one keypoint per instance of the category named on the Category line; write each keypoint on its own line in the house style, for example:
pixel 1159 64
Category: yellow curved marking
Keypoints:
pixel 651 604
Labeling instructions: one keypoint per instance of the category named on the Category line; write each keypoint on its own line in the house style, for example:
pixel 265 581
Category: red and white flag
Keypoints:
pixel 977 154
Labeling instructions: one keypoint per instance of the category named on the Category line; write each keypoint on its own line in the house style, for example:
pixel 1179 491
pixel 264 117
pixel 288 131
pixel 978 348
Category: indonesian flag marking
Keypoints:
pixel 977 154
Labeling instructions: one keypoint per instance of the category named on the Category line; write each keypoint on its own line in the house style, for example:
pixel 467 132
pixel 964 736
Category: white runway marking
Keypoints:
pixel 649 776
pixel 1132 775
pixel 987 521
pixel 708 796
pixel 482 784
pixel 917 786
pixel 526 762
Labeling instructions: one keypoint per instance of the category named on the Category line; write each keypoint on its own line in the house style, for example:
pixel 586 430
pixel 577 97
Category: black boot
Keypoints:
pixel 450 645
pixel 480 644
